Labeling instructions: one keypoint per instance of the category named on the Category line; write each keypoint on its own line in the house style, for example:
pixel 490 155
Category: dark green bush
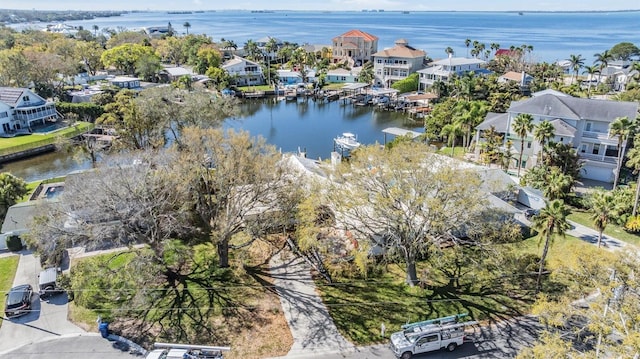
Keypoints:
pixel 14 243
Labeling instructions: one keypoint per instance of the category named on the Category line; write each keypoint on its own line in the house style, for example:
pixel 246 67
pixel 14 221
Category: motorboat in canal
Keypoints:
pixel 347 141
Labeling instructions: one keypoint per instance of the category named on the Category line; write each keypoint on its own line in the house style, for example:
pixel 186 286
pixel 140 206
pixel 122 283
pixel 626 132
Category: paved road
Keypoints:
pixel 70 346
pixel 497 341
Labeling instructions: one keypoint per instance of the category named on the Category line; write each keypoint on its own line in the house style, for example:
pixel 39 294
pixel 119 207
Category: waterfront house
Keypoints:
pixel 354 47
pixel 396 63
pixel 245 72
pixel 580 122
pixel 289 77
pixel 443 70
pixel 21 109
pixel 343 75
pixel 157 32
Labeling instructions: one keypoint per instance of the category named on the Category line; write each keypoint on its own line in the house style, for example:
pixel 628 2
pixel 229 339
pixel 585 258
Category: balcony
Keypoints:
pixel 599 158
pixel 602 137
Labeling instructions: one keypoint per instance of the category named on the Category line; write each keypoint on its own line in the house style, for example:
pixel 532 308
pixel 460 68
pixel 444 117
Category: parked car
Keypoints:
pixel 18 301
pixel 47 283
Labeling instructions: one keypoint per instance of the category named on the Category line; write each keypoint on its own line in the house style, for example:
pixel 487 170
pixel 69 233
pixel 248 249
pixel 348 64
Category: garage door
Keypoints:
pixel 604 174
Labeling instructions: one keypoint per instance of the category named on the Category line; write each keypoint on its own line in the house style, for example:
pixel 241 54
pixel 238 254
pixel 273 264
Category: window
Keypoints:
pixel 25 98
pixel 528 144
pixel 583 148
pixel 588 126
pixel 561 139
pixel 596 148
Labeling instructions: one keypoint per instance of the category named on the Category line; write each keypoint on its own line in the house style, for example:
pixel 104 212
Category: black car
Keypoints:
pixel 18 301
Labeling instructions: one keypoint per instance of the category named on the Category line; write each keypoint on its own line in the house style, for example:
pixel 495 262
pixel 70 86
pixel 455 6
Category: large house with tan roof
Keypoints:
pixel 396 63
pixel 579 122
pixel 355 47
pixel 21 109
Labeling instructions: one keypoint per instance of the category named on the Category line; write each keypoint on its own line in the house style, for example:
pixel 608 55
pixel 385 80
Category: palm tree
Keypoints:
pixel 467 43
pixel 252 50
pixel 634 162
pixel 449 51
pixel 576 62
pixel 550 222
pixel 187 25
pixel 602 59
pixel 543 132
pixel 451 131
pixel 522 125
pixel 557 184
pixel 620 127
pixel 271 47
pixel 590 70
pixel 95 30
pixel 602 207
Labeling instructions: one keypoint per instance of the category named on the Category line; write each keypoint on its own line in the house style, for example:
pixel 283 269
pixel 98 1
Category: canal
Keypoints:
pixel 304 125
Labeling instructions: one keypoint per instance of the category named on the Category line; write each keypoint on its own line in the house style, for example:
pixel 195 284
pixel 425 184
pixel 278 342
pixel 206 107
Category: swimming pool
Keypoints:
pixel 49 128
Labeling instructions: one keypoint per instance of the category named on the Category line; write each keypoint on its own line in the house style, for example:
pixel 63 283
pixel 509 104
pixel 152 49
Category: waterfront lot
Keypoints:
pixel 22 143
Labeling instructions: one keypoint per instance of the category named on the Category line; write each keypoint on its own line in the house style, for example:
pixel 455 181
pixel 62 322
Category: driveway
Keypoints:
pixel 48 319
pixel 70 346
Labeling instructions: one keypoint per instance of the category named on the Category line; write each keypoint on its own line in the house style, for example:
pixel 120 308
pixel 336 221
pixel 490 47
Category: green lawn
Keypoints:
pixel 359 307
pixel 256 88
pixel 8 267
pixel 21 143
pixel 457 151
pixel 613 230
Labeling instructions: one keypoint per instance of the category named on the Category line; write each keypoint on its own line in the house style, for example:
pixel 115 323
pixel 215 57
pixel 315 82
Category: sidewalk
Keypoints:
pixel 313 330
pixel 591 236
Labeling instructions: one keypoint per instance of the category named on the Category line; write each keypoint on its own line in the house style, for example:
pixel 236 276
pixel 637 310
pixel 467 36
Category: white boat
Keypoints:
pixel 347 141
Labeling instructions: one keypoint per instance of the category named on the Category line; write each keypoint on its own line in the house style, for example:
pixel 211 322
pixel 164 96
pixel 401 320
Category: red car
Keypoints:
pixel 18 301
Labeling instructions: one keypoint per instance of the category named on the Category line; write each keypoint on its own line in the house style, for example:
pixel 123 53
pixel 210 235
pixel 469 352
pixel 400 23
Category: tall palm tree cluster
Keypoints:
pixel 577 62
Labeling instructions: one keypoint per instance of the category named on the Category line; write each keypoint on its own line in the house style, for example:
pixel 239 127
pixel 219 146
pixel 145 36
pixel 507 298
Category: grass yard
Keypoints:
pixel 255 88
pixel 613 230
pixel 8 267
pixel 458 152
pixel 359 307
pixel 21 143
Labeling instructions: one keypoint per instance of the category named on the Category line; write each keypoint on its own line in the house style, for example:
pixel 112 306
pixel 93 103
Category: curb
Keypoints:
pixel 137 348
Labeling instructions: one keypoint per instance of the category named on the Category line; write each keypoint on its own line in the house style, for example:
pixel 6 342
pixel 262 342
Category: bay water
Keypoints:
pixel 553 35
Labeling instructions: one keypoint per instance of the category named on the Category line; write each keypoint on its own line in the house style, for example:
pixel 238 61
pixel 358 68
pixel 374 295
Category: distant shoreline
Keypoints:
pixel 17 17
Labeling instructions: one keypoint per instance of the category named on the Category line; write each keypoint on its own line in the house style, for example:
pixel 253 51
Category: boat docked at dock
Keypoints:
pixel 347 141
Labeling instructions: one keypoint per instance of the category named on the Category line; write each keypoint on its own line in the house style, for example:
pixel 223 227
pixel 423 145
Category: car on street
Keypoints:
pixel 18 301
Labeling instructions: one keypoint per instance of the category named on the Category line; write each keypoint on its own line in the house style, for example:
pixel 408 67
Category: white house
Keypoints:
pixel 21 109
pixel 125 82
pixel 580 122
pixel 397 63
pixel 442 70
pixel 245 72
pixel 343 75
pixel 617 73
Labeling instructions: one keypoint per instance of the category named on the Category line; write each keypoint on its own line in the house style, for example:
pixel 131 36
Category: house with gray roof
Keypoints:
pixel 579 122
pixel 22 109
pixel 244 71
pixel 443 70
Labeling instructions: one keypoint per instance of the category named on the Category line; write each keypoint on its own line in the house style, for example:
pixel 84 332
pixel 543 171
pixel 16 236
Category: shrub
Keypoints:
pixel 14 243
